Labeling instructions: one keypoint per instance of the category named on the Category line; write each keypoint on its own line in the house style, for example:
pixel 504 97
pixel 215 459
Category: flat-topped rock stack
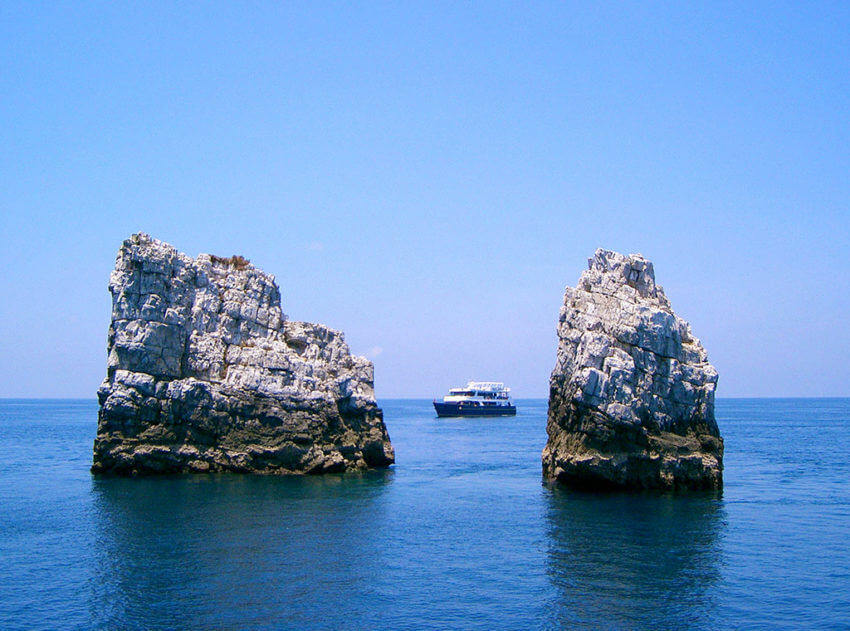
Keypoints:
pixel 631 398
pixel 205 373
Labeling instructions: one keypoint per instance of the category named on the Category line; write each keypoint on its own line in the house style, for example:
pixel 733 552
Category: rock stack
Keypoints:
pixel 205 373
pixel 631 398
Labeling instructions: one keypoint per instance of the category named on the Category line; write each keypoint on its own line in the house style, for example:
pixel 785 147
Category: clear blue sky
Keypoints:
pixel 428 179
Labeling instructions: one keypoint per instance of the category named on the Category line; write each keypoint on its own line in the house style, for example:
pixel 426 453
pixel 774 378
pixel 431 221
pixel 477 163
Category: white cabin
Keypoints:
pixel 488 393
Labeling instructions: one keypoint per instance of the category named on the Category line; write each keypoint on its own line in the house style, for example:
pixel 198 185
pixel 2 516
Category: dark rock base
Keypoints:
pixel 587 450
pixel 205 430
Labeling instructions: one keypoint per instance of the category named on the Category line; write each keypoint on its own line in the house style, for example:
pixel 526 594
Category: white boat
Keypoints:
pixel 478 398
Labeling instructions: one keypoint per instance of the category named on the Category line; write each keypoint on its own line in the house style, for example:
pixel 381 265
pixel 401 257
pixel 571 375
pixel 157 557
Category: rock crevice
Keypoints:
pixel 631 401
pixel 206 373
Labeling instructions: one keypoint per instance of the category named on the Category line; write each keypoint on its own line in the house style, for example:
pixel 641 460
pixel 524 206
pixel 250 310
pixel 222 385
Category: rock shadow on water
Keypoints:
pixel 231 551
pixel 633 560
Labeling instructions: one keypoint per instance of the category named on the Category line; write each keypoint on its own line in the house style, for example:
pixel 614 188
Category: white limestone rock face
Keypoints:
pixel 205 373
pixel 631 398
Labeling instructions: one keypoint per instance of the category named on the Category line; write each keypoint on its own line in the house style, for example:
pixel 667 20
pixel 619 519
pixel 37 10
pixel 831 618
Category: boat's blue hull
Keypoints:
pixel 459 409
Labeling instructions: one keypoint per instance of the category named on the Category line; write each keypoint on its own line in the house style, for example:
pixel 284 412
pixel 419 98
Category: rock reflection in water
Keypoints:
pixel 217 551
pixel 621 560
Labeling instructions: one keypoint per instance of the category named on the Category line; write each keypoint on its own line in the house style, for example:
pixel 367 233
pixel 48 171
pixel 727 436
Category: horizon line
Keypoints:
pixel 94 398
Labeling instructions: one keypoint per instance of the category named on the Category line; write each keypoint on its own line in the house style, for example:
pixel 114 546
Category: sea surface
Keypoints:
pixel 460 534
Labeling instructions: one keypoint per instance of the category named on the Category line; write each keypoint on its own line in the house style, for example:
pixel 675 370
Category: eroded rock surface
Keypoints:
pixel 205 373
pixel 631 398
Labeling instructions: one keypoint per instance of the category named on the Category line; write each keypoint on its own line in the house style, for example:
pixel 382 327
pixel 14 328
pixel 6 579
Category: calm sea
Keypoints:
pixel 460 534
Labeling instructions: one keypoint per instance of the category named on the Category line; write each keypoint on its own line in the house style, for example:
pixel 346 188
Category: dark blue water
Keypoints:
pixel 460 534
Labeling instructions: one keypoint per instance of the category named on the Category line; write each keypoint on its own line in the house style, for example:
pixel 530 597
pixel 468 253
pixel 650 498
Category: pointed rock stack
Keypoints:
pixel 631 398
pixel 205 373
